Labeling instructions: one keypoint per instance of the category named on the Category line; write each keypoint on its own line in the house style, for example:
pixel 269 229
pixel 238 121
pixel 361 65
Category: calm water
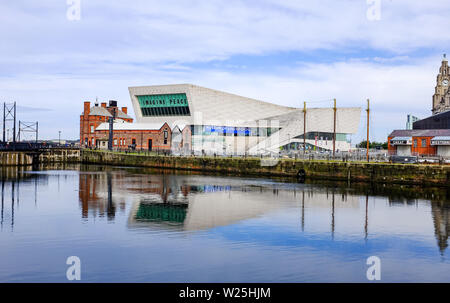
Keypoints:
pixel 134 225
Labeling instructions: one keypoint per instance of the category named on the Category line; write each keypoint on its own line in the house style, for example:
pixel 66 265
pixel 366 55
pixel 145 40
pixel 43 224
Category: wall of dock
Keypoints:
pixel 60 156
pixel 418 174
pixel 8 158
pixel 23 158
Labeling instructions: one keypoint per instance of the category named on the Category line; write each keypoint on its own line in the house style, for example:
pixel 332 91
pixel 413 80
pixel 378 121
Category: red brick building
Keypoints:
pixel 94 129
pixel 92 117
pixel 151 137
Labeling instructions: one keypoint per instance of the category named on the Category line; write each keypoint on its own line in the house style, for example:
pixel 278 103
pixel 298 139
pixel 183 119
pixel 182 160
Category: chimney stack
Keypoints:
pixel 104 104
pixel 125 110
pixel 87 108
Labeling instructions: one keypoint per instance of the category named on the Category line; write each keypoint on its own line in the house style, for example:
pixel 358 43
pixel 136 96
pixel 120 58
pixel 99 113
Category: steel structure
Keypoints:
pixel 9 114
pixel 28 127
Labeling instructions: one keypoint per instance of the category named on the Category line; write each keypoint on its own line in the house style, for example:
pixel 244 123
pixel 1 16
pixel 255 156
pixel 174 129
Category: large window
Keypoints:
pixel 164 105
pixel 207 130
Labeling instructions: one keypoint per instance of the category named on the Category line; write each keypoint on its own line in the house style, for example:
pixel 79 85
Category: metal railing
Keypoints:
pixel 32 146
pixel 375 156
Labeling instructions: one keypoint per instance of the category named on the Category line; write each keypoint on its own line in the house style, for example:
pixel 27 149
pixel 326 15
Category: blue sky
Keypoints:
pixel 284 52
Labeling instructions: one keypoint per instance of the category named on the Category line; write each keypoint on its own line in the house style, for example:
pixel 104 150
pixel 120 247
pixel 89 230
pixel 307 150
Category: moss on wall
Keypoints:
pixel 325 170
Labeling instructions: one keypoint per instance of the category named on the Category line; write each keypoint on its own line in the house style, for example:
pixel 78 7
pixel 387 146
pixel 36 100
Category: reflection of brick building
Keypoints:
pixel 94 129
pixel 95 196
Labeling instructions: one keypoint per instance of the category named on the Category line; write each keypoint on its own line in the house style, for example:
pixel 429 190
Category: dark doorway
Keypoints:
pixel 150 144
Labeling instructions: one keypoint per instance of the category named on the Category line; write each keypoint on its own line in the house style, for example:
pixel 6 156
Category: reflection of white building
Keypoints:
pixel 226 123
pixel 210 206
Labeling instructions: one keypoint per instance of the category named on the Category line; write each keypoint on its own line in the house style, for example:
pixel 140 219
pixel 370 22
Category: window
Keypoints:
pixel 92 128
pixel 415 142
pixel 115 142
pixel 133 141
pixel 166 135
pixel 424 142
pixel 164 105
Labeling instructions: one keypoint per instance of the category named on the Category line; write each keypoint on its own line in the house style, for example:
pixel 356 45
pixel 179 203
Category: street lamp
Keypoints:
pixel 289 143
pixel 59 137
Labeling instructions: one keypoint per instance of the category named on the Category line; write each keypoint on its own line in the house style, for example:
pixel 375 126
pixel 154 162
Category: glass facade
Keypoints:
pixel 164 105
pixel 207 130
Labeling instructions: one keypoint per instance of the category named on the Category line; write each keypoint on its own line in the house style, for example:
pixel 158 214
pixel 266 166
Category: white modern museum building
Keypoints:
pixel 224 123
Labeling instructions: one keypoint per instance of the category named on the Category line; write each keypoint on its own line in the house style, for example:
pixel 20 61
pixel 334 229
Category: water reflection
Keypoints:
pixel 149 214
pixel 96 194
pixel 183 202
pixel 441 219
pixel 11 180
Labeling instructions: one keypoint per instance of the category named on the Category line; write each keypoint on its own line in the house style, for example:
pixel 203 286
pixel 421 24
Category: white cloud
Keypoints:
pixel 394 90
pixel 186 31
pixel 48 61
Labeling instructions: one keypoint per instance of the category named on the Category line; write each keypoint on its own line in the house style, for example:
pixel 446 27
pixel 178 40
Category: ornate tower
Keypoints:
pixel 441 97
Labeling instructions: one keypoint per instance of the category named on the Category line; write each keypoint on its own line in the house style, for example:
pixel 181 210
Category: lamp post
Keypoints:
pixel 289 143
pixel 59 137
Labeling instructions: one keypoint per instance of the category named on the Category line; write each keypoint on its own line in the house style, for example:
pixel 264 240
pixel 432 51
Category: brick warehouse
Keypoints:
pixel 92 117
pixel 151 137
pixel 94 129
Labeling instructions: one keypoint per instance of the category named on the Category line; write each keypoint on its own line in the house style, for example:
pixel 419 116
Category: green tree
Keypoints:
pixel 373 145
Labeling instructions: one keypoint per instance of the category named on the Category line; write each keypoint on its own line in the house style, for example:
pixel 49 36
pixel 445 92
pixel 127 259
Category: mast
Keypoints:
pixel 304 127
pixel 14 127
pixel 334 128
pixel 368 124
pixel 4 122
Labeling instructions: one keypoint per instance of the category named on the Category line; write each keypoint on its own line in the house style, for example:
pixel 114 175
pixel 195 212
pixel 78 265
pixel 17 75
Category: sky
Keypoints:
pixel 55 54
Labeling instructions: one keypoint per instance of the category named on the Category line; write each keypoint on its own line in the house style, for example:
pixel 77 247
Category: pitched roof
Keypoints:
pixel 122 115
pixel 99 111
pixel 420 132
pixel 102 111
pixel 131 126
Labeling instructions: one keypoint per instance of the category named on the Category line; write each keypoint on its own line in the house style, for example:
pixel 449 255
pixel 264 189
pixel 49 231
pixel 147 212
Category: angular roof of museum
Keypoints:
pixel 212 104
